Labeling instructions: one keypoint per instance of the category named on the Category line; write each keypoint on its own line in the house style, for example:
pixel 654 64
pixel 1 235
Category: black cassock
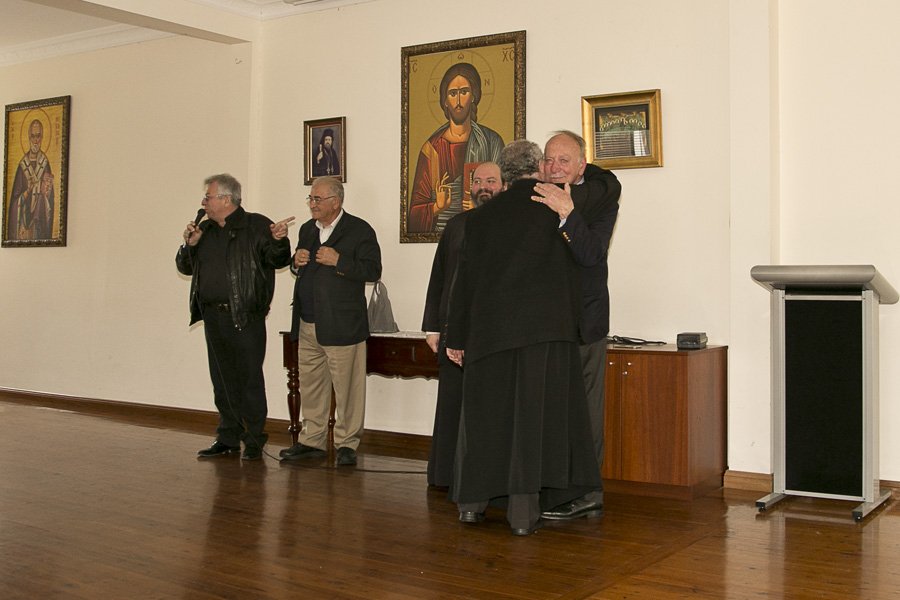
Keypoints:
pixel 514 309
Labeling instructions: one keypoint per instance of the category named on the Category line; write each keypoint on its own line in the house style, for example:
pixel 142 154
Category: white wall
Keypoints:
pixel 750 90
pixel 839 194
pixel 106 316
pixel 661 284
pixel 753 228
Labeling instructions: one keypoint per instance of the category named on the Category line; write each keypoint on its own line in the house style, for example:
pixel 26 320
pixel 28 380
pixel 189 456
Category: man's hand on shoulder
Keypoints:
pixel 558 200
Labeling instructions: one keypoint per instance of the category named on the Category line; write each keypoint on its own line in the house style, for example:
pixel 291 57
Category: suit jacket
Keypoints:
pixel 340 291
pixel 587 231
pixel 516 282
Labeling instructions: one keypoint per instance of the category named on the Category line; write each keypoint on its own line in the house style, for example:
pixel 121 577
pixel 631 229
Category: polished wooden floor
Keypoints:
pixel 107 507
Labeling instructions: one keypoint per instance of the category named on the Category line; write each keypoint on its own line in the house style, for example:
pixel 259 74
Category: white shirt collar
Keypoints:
pixel 326 231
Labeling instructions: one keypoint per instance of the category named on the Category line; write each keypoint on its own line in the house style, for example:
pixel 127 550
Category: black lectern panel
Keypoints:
pixel 824 396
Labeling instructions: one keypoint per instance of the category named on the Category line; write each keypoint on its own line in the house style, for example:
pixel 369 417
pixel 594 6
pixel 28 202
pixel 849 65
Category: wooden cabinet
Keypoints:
pixel 665 428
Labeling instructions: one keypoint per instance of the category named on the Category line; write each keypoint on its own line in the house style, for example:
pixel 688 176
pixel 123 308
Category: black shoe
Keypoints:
pixel 527 530
pixel 346 456
pixel 216 449
pixel 251 453
pixel 574 509
pixel 471 517
pixel 299 451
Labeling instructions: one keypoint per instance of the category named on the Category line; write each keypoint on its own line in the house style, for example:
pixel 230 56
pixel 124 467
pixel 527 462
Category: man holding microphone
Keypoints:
pixel 231 258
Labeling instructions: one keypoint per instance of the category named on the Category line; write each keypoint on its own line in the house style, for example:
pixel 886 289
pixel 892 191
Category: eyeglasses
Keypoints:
pixel 207 196
pixel 310 200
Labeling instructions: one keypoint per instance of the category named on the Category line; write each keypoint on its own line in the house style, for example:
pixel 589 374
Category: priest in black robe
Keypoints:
pixel 525 440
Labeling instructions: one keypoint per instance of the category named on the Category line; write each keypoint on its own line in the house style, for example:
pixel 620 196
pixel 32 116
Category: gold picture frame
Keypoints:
pixel 623 131
pixel 35 173
pixel 320 160
pixel 489 112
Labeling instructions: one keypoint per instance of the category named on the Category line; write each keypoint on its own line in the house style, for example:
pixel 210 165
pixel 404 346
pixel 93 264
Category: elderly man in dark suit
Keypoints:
pixel 586 198
pixel 524 439
pixel 336 255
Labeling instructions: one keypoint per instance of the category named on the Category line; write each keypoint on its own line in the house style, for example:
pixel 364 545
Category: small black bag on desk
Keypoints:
pixel 381 317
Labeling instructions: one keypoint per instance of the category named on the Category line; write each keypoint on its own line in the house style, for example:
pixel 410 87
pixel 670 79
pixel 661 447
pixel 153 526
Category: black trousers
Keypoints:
pixel 593 363
pixel 236 369
pixel 522 511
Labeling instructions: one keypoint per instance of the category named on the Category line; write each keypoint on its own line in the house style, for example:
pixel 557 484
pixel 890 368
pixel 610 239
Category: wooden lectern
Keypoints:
pixel 825 381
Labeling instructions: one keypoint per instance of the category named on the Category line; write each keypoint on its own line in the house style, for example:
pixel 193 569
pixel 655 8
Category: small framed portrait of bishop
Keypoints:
pixel 325 149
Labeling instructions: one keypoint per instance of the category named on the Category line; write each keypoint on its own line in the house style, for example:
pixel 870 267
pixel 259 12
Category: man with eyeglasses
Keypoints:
pixel 231 258
pixel 336 255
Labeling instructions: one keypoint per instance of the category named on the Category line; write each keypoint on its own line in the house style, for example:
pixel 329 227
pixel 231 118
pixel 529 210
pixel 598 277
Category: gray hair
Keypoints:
pixel 519 159
pixel 582 146
pixel 335 185
pixel 226 186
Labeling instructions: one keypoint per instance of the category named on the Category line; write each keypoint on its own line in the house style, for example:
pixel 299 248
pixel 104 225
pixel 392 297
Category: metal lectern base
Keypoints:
pixel 859 513
pixel 865 508
pixel 766 501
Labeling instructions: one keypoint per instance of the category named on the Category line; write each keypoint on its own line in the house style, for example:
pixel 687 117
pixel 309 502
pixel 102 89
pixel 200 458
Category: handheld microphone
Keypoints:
pixel 200 214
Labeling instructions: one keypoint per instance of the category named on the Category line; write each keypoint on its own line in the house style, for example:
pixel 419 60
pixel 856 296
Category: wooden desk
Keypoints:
pixel 289 356
pixel 401 354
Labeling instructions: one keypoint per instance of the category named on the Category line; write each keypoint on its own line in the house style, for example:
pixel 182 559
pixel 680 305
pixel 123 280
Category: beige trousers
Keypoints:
pixel 320 369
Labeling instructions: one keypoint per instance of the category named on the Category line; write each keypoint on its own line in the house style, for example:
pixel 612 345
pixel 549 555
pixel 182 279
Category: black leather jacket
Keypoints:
pixel 251 257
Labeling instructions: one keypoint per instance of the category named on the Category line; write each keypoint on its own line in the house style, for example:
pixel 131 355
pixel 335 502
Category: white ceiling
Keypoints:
pixel 30 31
pixel 27 23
